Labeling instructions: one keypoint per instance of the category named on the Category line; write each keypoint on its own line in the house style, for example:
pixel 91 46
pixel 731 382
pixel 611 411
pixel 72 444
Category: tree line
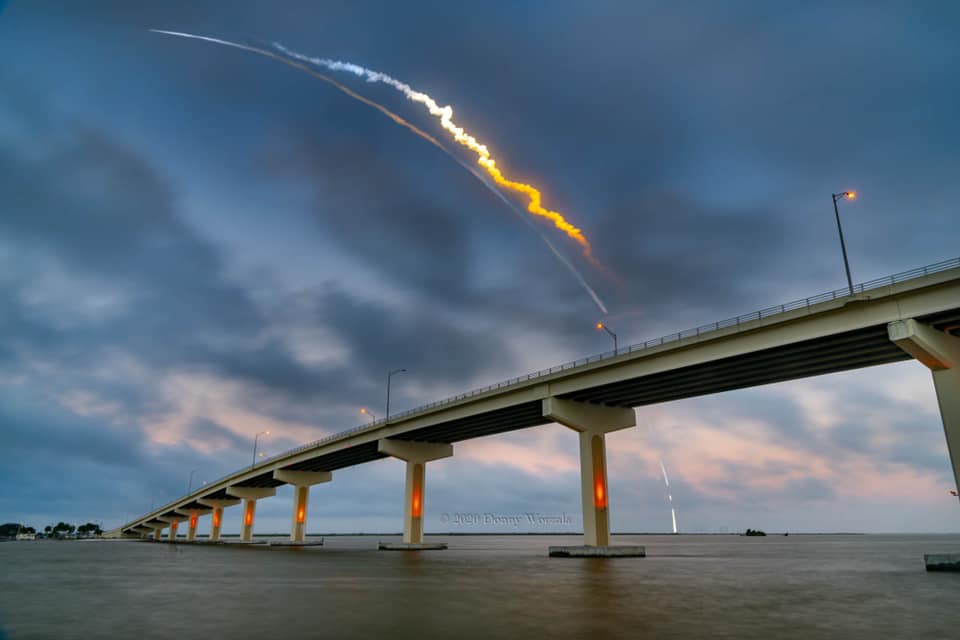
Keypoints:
pixel 59 530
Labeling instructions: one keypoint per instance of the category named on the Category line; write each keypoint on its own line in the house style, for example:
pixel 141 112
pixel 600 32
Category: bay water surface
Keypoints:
pixel 688 586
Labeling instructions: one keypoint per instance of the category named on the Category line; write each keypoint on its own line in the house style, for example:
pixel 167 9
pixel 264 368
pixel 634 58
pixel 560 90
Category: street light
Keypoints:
pixel 849 195
pixel 390 375
pixel 255 438
pixel 367 412
pixel 190 483
pixel 604 327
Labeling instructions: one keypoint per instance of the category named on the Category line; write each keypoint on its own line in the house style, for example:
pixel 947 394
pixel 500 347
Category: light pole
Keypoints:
pixel 849 195
pixel 600 325
pixel 255 438
pixel 389 376
pixel 190 483
pixel 367 412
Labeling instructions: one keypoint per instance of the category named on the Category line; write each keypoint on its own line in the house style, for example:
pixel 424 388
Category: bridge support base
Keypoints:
pixel 157 533
pixel 942 561
pixel 592 422
pixel 408 546
pixel 172 532
pixel 586 551
pixel 192 530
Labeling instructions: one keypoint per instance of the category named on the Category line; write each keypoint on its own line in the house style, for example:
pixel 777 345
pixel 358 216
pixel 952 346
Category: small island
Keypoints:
pixel 755 532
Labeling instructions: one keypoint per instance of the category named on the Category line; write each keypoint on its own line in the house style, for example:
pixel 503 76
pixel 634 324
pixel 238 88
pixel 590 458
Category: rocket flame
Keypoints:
pixel 400 121
pixel 484 158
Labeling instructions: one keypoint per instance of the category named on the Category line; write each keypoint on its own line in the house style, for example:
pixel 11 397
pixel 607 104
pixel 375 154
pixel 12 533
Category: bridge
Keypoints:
pixel 915 314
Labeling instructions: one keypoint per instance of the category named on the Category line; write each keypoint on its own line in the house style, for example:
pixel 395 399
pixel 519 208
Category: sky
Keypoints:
pixel 198 244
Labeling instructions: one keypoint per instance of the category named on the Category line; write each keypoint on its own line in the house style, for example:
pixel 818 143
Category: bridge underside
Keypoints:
pixel 831 354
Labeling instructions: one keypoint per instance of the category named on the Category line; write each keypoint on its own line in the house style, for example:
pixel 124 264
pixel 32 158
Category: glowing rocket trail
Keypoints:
pixel 666 482
pixel 423 134
pixel 484 159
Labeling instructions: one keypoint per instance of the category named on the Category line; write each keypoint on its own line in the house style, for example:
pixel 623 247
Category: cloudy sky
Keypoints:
pixel 198 244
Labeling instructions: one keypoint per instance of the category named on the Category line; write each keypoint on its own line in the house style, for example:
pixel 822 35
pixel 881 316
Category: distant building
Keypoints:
pixel 26 536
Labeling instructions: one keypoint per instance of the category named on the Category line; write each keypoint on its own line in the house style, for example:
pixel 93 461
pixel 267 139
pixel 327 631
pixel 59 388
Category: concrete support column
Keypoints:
pixel 298 522
pixel 157 533
pixel 301 481
pixel 947 384
pixel 593 489
pixel 249 513
pixel 940 352
pixel 172 531
pixel 413 503
pixel 216 518
pixel 192 531
pixel 249 495
pixel 592 422
pixel 416 455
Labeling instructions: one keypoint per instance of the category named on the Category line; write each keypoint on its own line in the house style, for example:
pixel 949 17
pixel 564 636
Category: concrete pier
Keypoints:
pixel 416 455
pixel 301 481
pixel 592 423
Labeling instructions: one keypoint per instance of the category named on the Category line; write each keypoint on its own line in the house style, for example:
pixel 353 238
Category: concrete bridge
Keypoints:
pixel 910 315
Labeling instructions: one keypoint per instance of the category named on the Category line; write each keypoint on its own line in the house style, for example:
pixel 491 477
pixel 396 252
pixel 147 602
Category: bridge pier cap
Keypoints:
pixel 592 422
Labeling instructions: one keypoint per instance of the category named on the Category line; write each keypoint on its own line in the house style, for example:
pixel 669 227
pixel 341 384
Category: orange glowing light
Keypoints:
pixel 599 325
pixel 599 495
pixel 301 515
pixel 216 518
pixel 248 517
pixel 416 508
pixel 193 521
pixel 851 195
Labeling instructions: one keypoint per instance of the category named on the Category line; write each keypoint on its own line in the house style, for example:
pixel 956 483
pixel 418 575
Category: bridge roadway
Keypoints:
pixel 915 314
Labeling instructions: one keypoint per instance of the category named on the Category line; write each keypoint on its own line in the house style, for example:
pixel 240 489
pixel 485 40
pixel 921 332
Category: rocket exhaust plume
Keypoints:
pixel 666 481
pixel 484 158
pixel 426 136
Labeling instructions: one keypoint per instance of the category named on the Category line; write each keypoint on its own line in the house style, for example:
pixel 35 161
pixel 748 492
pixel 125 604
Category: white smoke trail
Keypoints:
pixel 399 120
pixel 666 480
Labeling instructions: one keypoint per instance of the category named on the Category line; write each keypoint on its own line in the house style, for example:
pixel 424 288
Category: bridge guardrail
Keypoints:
pixel 885 281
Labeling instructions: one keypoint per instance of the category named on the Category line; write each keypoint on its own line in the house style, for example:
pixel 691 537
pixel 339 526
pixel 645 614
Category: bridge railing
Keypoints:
pixel 912 274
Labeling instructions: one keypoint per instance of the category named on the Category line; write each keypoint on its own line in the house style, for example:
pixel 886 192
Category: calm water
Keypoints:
pixel 483 587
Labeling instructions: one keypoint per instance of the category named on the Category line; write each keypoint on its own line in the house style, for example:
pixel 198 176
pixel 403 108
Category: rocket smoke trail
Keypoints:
pixel 402 122
pixel 445 114
pixel 666 482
